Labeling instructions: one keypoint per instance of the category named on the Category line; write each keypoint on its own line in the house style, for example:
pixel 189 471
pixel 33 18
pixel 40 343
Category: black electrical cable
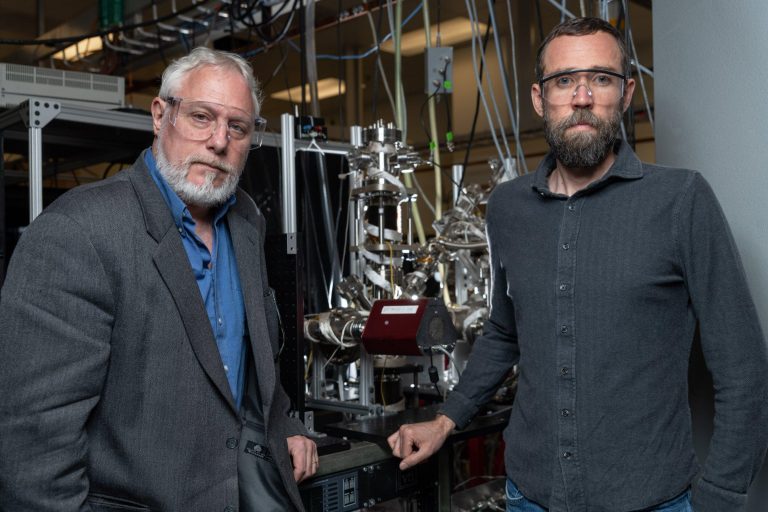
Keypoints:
pixel 629 115
pixel 109 168
pixel 375 94
pixel 449 123
pixel 269 39
pixel 278 68
pixel 285 78
pixel 443 170
pixel 160 43
pixel 339 70
pixel 421 118
pixel 303 56
pixel 434 377
pixel 231 18
pixel 540 22
pixel 338 212
pixel 99 33
pixel 477 109
pixel 448 116
pixel 245 16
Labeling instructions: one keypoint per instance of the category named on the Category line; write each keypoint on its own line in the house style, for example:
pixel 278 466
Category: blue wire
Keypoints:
pixel 370 51
pixel 363 55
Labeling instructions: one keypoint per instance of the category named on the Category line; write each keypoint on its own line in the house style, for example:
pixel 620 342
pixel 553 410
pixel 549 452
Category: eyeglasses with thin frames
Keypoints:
pixel 198 120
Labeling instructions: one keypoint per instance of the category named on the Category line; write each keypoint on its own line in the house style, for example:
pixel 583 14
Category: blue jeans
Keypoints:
pixel 516 502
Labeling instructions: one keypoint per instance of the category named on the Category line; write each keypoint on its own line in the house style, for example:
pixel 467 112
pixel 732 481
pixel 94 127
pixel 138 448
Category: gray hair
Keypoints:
pixel 202 56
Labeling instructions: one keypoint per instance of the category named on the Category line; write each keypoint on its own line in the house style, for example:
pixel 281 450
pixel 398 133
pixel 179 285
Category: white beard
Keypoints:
pixel 206 195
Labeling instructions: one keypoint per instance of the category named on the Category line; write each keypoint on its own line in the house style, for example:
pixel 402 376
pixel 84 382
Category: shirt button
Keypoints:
pixel 563 329
pixel 564 371
pixel 567 455
pixel 565 413
pixel 571 207
pixel 231 443
pixel 229 509
pixel 566 247
pixel 563 287
pixel 220 321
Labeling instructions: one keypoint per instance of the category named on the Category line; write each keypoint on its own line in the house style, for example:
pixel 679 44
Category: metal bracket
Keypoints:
pixel 290 240
pixel 309 420
pixel 38 112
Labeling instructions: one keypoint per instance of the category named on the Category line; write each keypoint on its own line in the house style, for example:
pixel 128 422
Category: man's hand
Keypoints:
pixel 303 453
pixel 415 442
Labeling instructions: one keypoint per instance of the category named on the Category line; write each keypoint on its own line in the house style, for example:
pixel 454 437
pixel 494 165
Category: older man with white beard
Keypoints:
pixel 138 333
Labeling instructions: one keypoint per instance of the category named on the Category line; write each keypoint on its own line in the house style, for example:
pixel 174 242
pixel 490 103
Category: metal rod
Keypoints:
pixel 457 171
pixel 35 173
pixel 365 390
pixel 288 178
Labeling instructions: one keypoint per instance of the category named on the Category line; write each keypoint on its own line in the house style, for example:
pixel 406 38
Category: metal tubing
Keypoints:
pixel 356 136
pixel 288 178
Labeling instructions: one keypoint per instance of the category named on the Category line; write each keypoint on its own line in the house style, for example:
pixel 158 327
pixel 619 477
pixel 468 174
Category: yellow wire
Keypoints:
pixel 391 269
pixel 309 362
pixel 381 382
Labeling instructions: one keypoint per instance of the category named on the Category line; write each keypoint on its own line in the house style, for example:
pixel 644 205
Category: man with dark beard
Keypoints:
pixel 138 333
pixel 603 267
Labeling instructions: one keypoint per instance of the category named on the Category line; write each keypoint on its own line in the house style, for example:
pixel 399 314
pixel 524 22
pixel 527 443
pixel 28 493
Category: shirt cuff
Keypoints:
pixel 707 497
pixel 459 409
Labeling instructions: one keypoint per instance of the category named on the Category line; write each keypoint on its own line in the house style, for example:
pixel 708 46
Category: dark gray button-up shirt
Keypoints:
pixel 596 297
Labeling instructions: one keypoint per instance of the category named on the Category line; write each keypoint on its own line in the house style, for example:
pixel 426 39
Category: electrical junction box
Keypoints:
pixel 18 83
pixel 438 72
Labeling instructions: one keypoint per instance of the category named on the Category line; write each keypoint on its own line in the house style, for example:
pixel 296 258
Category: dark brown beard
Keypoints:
pixel 582 150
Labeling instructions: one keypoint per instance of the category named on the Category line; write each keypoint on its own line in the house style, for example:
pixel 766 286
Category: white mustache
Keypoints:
pixel 212 162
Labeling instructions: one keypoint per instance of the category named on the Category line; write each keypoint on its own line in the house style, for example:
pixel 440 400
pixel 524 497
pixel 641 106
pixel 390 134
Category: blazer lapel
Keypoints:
pixel 249 260
pixel 173 265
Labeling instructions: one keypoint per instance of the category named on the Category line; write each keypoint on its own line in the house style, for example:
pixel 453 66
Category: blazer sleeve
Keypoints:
pixel 56 315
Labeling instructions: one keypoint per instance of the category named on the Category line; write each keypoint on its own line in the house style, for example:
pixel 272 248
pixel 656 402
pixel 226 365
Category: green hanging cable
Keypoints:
pixel 433 127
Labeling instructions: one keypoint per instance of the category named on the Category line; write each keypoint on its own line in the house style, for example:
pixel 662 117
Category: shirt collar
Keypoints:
pixel 179 210
pixel 626 166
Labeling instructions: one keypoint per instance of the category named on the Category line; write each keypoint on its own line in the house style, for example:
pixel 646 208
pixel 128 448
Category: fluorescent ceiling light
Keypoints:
pixel 80 49
pixel 452 32
pixel 326 88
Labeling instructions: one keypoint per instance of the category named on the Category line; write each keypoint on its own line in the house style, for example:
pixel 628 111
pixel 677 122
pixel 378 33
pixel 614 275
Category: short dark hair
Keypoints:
pixel 582 27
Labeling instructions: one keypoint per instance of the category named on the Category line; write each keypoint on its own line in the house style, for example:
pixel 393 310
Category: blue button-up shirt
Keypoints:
pixel 217 277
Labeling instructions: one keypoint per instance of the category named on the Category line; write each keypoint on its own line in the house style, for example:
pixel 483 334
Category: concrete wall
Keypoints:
pixel 711 104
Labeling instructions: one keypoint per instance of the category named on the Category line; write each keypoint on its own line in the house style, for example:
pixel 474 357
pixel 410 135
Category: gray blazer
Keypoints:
pixel 112 390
